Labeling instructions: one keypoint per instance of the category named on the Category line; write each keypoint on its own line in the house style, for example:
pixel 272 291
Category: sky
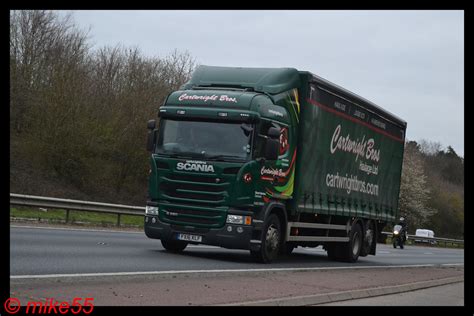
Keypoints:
pixel 410 63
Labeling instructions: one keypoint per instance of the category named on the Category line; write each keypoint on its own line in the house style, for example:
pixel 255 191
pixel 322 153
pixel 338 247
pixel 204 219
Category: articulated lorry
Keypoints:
pixel 269 159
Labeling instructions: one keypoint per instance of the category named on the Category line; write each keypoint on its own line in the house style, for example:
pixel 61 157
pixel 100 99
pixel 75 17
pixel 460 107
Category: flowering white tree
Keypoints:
pixel 414 190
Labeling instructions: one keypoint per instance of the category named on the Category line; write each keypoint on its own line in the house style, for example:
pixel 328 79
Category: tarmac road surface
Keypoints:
pixel 127 268
pixel 39 251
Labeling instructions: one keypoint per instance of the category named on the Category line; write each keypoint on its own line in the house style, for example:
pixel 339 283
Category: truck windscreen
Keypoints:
pixel 204 139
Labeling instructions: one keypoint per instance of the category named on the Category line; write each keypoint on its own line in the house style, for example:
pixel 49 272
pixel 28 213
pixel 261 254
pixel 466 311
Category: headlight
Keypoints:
pixel 396 232
pixel 235 219
pixel 151 210
pixel 239 219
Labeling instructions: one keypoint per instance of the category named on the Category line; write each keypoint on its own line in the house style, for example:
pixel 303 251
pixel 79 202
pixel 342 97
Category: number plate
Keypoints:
pixel 188 237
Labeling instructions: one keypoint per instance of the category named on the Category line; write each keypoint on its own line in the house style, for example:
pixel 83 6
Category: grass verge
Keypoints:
pixel 76 217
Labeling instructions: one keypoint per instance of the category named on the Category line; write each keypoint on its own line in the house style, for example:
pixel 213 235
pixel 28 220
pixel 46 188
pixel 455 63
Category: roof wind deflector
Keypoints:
pixel 211 87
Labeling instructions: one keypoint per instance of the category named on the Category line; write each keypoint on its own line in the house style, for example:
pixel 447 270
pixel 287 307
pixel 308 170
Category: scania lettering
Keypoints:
pixel 193 166
pixel 269 159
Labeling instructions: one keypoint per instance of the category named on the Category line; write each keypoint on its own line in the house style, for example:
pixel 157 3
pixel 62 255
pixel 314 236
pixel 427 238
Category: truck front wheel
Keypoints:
pixel 271 239
pixel 173 245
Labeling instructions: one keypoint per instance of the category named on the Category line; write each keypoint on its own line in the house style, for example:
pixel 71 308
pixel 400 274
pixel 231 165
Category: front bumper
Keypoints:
pixel 227 236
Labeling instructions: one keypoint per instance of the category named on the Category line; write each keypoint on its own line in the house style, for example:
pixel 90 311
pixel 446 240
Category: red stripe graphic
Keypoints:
pixel 353 119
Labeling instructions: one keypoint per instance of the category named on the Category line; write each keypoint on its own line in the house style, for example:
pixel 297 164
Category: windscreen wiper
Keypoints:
pixel 223 157
pixel 186 155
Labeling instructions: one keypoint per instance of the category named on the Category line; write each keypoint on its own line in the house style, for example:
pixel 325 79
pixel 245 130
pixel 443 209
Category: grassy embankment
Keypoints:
pixel 75 217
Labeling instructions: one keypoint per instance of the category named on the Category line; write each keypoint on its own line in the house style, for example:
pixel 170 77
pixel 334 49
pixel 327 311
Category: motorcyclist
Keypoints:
pixel 402 222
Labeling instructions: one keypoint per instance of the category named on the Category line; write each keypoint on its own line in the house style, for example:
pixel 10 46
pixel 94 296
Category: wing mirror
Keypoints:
pixel 151 137
pixel 274 132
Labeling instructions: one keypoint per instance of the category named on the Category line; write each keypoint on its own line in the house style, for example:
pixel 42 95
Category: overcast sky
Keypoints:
pixel 408 62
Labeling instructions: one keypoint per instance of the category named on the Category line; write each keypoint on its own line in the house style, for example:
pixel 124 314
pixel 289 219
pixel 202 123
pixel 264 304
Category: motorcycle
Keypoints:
pixel 398 236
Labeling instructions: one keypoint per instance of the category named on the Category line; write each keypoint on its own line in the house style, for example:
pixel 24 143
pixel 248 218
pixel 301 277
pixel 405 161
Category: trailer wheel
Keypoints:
pixel 350 251
pixel 355 244
pixel 173 245
pixel 368 239
pixel 271 239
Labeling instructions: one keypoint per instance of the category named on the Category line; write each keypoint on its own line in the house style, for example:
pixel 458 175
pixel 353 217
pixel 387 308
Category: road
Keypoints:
pixel 127 268
pixel 39 251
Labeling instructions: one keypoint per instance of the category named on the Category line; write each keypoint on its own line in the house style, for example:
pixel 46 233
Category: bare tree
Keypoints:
pixel 430 148
pixel 78 115
pixel 178 68
pixel 41 45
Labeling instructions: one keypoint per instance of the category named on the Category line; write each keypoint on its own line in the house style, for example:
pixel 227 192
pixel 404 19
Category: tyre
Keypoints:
pixel 350 251
pixel 368 239
pixel 271 240
pixel 173 245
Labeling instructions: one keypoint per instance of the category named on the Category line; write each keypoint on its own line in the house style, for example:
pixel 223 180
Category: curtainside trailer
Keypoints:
pixel 269 159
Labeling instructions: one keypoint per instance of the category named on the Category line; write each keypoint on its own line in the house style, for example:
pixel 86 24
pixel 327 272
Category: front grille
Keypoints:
pixel 209 217
pixel 206 193
pixel 190 186
pixel 194 220
pixel 194 178
pixel 197 212
pixel 201 189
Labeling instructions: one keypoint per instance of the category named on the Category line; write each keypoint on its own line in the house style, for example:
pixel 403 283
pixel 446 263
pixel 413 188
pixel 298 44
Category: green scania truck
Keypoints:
pixel 268 159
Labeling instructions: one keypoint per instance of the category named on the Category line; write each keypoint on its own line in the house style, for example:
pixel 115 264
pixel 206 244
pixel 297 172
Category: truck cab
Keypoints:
pixel 220 152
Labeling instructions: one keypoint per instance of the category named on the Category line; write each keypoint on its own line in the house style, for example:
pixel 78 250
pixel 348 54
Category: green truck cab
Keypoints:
pixel 268 159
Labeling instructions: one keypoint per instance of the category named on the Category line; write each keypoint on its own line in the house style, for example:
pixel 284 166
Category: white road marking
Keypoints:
pixel 45 276
pixel 452 264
